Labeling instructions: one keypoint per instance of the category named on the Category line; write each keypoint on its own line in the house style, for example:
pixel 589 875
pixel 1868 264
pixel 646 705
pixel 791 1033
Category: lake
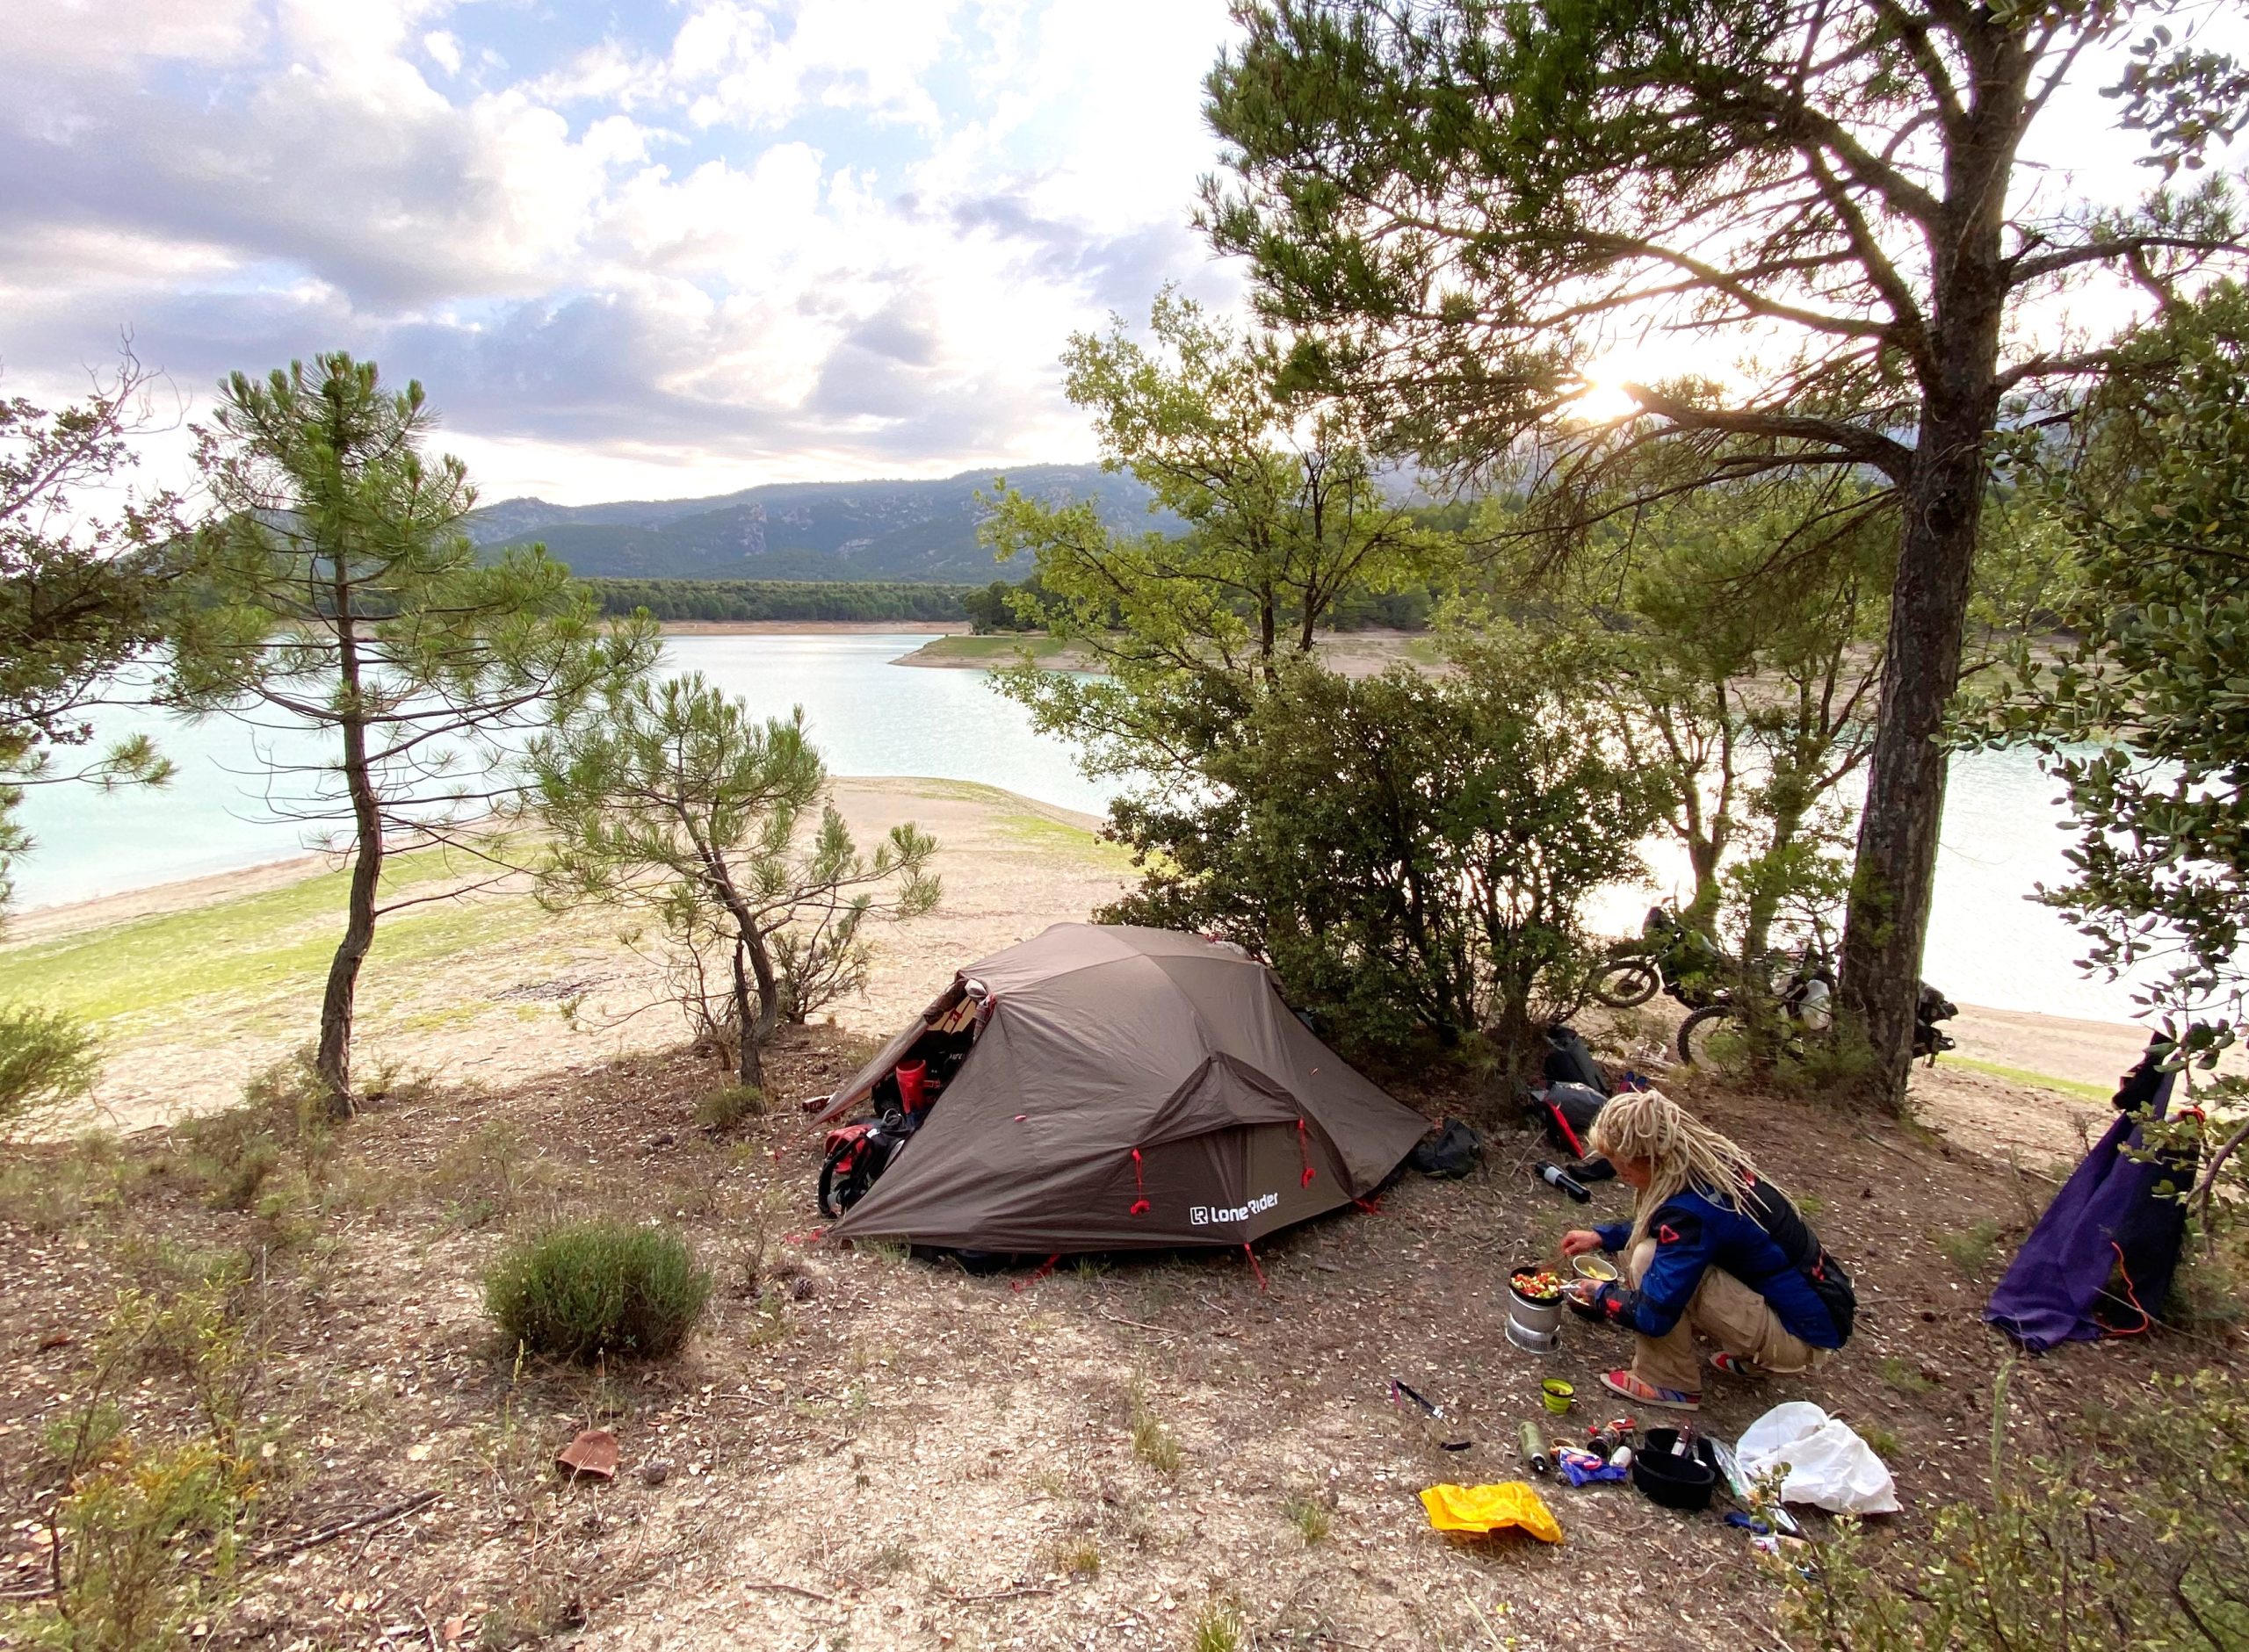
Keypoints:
pixel 1987 943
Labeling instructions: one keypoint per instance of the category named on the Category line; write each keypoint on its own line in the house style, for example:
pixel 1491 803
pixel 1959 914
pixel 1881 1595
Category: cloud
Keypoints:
pixel 702 247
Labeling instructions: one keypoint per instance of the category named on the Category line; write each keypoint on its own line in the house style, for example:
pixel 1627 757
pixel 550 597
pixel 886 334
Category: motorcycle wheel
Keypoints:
pixel 1626 983
pixel 1697 1032
pixel 827 1186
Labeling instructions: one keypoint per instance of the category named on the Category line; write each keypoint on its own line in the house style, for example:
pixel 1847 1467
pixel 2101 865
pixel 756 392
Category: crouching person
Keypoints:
pixel 1712 1247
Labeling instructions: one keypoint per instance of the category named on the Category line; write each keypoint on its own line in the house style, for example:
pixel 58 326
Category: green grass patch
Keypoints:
pixel 994 651
pixel 274 942
pixel 1969 1249
pixel 1904 1376
pixel 2039 1080
pixel 1040 832
pixel 1153 1443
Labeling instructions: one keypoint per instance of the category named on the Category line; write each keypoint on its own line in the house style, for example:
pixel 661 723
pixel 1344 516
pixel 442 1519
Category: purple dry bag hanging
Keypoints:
pixel 2099 1261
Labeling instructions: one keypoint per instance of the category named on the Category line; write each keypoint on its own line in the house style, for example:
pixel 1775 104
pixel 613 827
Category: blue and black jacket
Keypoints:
pixel 1766 1244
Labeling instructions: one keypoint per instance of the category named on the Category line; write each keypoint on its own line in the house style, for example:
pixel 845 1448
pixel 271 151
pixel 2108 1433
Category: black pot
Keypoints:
pixel 1675 1481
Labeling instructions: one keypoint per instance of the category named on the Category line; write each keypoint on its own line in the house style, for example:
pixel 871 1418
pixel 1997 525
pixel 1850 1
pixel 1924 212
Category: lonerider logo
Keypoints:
pixel 1203 1216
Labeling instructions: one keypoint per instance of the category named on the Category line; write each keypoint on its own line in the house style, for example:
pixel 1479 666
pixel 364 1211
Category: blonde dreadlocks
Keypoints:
pixel 1680 1151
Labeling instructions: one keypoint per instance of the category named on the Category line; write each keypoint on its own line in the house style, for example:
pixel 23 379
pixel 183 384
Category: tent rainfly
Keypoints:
pixel 1131 1089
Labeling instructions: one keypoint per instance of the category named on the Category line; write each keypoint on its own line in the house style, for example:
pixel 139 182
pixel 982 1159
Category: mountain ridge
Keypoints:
pixel 853 530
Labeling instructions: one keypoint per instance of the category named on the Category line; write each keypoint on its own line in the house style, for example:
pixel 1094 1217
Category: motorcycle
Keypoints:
pixel 1671 956
pixel 1804 994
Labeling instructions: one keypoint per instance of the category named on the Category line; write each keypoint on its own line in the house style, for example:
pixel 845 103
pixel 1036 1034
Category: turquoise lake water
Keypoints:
pixel 1987 943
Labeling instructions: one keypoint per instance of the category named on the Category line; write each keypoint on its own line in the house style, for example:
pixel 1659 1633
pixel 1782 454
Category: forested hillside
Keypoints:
pixel 782 599
pixel 916 530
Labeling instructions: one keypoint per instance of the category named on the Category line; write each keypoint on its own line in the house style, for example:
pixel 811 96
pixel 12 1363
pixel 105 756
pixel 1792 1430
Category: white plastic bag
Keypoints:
pixel 1828 1465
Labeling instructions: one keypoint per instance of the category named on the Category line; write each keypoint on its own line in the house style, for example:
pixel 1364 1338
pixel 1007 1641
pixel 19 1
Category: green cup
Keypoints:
pixel 1559 1395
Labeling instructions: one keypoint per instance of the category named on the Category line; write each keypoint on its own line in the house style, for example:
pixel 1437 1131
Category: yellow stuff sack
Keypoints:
pixel 1491 1508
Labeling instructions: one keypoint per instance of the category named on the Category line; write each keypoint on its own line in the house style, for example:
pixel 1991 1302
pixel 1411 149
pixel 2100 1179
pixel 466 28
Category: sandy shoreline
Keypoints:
pixel 800 627
pixel 1013 865
pixel 1354 653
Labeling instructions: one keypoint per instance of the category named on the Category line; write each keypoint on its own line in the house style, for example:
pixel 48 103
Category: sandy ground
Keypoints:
pixel 861 1450
pixel 1357 654
pixel 491 1012
pixel 864 1450
pixel 800 627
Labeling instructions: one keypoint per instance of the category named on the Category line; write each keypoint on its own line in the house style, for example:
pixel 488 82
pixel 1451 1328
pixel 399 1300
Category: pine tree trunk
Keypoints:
pixel 750 1064
pixel 333 1063
pixel 1888 921
pixel 1879 982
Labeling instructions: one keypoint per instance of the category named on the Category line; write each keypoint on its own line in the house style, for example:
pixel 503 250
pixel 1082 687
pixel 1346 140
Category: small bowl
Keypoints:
pixel 1558 1395
pixel 1591 1267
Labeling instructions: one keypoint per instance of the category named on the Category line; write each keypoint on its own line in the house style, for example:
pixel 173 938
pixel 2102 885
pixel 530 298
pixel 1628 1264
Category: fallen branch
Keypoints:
pixel 344 1528
pixel 789 1589
pixel 37 1591
pixel 1119 1319
pixel 1004 1594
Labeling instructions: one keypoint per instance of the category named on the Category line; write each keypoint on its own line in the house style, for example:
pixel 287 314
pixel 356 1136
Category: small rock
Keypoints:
pixel 654 1472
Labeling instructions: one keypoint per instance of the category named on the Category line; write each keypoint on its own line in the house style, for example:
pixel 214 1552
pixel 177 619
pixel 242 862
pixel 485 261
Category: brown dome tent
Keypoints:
pixel 1130 1089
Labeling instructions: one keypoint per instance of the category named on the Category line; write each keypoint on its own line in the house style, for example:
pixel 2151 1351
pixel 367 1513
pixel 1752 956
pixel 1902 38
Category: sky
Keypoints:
pixel 641 249
pixel 648 249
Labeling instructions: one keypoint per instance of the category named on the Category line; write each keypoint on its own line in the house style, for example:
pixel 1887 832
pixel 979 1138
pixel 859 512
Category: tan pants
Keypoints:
pixel 1730 1314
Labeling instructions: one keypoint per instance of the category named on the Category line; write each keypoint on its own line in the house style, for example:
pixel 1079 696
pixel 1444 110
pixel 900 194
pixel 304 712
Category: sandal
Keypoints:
pixel 1741 1366
pixel 1630 1387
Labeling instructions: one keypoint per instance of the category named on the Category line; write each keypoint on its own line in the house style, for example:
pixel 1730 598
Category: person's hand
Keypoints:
pixel 1586 1291
pixel 1581 1242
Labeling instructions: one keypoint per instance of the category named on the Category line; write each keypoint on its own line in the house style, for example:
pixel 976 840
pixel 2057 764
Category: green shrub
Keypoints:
pixel 147 1531
pixel 1412 852
pixel 491 1172
pixel 595 1289
pixel 283 1118
pixel 47 1057
pixel 2141 1540
pixel 723 1109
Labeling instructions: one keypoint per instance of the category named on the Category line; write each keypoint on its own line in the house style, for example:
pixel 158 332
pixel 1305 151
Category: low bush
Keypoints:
pixel 283 1121
pixel 724 1109
pixel 489 1174
pixel 47 1057
pixel 147 1531
pixel 592 1289
pixel 2141 1538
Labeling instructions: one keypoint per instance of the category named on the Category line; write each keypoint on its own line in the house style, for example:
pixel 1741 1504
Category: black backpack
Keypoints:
pixel 1448 1153
pixel 1568 1060
pixel 1566 1112
pixel 1829 1282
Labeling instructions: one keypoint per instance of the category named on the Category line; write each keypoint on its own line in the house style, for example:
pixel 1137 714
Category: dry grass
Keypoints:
pixel 1139 1454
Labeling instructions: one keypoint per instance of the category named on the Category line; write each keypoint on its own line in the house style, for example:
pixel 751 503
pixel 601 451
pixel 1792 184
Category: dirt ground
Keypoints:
pixel 864 1449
